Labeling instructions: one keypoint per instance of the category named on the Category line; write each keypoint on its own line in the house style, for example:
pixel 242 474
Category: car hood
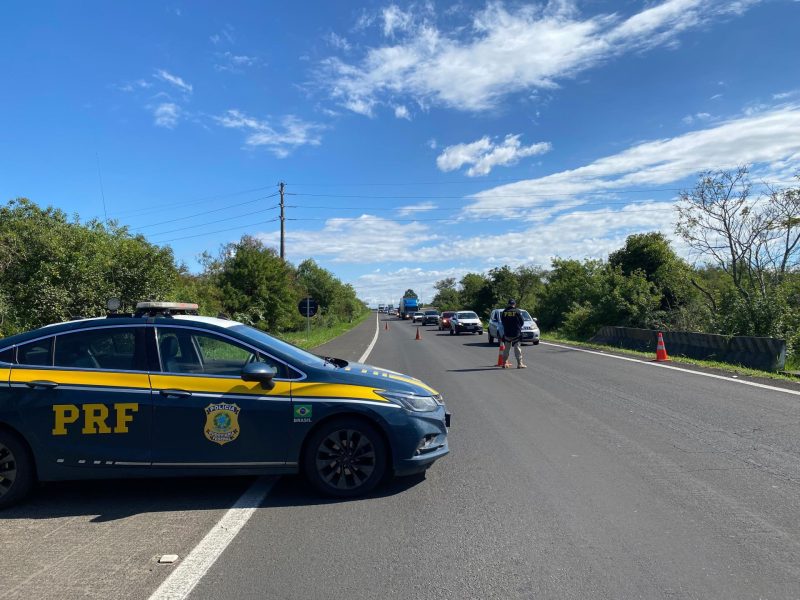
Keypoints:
pixel 379 379
pixel 469 321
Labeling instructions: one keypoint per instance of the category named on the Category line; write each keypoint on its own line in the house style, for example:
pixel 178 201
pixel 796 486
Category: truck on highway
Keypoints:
pixel 408 306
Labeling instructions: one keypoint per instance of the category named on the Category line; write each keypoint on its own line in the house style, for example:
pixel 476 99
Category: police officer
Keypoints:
pixel 512 322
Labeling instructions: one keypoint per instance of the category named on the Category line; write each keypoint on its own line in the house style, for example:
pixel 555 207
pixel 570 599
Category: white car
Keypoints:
pixel 465 321
pixel 530 330
pixel 418 317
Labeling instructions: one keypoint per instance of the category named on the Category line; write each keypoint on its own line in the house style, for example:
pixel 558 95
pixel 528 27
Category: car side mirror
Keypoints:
pixel 535 320
pixel 260 372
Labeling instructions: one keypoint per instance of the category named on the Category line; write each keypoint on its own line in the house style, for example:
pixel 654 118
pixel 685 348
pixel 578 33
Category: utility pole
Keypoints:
pixel 283 221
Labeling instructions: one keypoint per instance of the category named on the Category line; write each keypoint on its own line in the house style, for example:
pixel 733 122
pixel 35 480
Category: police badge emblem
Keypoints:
pixel 222 423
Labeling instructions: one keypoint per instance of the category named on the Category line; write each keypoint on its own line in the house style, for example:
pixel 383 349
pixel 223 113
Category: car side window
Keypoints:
pixel 194 352
pixel 38 353
pixel 7 355
pixel 111 348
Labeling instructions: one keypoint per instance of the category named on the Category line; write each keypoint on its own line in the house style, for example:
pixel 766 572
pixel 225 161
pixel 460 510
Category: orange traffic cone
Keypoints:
pixel 661 349
pixel 502 348
pixel 419 337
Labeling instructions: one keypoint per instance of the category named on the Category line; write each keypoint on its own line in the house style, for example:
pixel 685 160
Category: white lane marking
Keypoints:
pixel 674 368
pixel 191 570
pixel 374 339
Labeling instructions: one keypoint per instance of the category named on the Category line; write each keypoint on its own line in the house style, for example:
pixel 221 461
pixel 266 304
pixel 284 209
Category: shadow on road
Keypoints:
pixel 293 490
pixel 116 499
pixel 111 500
pixel 489 368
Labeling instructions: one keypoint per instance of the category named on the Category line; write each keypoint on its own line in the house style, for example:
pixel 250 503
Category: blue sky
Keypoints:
pixel 417 140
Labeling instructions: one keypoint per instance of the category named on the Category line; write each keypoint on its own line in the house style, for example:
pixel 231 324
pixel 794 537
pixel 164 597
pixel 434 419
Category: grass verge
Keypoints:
pixel 727 367
pixel 321 335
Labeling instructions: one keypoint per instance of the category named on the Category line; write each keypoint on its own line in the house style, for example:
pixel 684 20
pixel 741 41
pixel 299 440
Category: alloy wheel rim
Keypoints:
pixel 8 469
pixel 345 459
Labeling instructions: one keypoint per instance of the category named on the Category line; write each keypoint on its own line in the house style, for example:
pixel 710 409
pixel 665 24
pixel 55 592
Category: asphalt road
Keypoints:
pixel 582 476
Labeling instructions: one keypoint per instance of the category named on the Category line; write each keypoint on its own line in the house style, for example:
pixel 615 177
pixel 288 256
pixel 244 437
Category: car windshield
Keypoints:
pixel 525 315
pixel 288 350
pixel 448 313
pixel 467 315
pixel 431 312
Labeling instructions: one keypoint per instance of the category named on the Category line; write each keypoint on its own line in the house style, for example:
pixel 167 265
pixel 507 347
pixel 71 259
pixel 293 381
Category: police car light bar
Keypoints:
pixel 166 308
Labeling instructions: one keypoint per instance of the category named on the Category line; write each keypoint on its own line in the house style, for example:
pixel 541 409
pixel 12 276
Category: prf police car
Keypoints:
pixel 165 392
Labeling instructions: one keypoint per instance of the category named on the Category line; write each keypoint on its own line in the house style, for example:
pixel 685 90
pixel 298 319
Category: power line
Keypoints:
pixel 171 204
pixel 206 212
pixel 186 237
pixel 213 222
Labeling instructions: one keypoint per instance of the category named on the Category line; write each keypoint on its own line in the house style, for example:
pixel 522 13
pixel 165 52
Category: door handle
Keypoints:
pixel 42 385
pixel 175 393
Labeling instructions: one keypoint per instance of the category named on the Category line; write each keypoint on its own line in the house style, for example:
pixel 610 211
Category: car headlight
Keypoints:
pixel 410 401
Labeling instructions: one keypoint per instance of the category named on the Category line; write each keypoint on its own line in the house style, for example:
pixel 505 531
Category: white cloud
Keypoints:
pixel 412 209
pixel 394 19
pixel 234 63
pixel 504 51
pixel 131 86
pixel 575 234
pixel 401 112
pixel 767 139
pixel 292 133
pixel 433 144
pixel 361 239
pixel 166 115
pixel 173 80
pixel 337 41
pixel 378 286
pixel 701 116
pixel 225 35
pixel 786 95
pixel 484 154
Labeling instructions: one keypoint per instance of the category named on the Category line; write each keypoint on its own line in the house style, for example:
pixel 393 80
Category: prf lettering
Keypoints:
pixel 95 417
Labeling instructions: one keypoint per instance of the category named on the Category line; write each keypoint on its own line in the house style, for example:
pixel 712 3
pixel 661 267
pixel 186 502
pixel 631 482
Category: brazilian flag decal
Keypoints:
pixel 302 413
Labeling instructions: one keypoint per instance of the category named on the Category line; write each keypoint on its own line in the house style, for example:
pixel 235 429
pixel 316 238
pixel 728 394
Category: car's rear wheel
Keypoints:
pixel 345 458
pixel 16 469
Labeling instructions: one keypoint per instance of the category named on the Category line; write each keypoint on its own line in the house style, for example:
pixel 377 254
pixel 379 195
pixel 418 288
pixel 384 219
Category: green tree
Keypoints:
pixel 447 297
pixel 258 288
pixel 63 269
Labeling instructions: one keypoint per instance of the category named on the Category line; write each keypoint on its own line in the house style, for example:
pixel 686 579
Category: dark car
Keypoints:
pixel 444 321
pixel 431 317
pixel 163 395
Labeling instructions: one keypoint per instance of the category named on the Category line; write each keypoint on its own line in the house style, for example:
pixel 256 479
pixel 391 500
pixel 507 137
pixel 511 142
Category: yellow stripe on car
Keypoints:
pixel 89 378
pixel 335 390
pixel 218 385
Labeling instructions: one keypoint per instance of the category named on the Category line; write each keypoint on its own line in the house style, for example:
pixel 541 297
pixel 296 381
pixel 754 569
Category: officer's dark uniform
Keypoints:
pixel 512 321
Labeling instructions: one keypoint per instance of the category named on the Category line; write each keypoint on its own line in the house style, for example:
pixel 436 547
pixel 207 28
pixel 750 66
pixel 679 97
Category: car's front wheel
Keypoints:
pixel 535 342
pixel 16 469
pixel 345 458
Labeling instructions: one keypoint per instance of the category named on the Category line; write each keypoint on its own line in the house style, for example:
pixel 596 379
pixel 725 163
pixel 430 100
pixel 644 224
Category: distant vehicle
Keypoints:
pixel 444 322
pixel 530 330
pixel 392 311
pixel 408 306
pixel 431 317
pixel 381 308
pixel 465 321
pixel 418 317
